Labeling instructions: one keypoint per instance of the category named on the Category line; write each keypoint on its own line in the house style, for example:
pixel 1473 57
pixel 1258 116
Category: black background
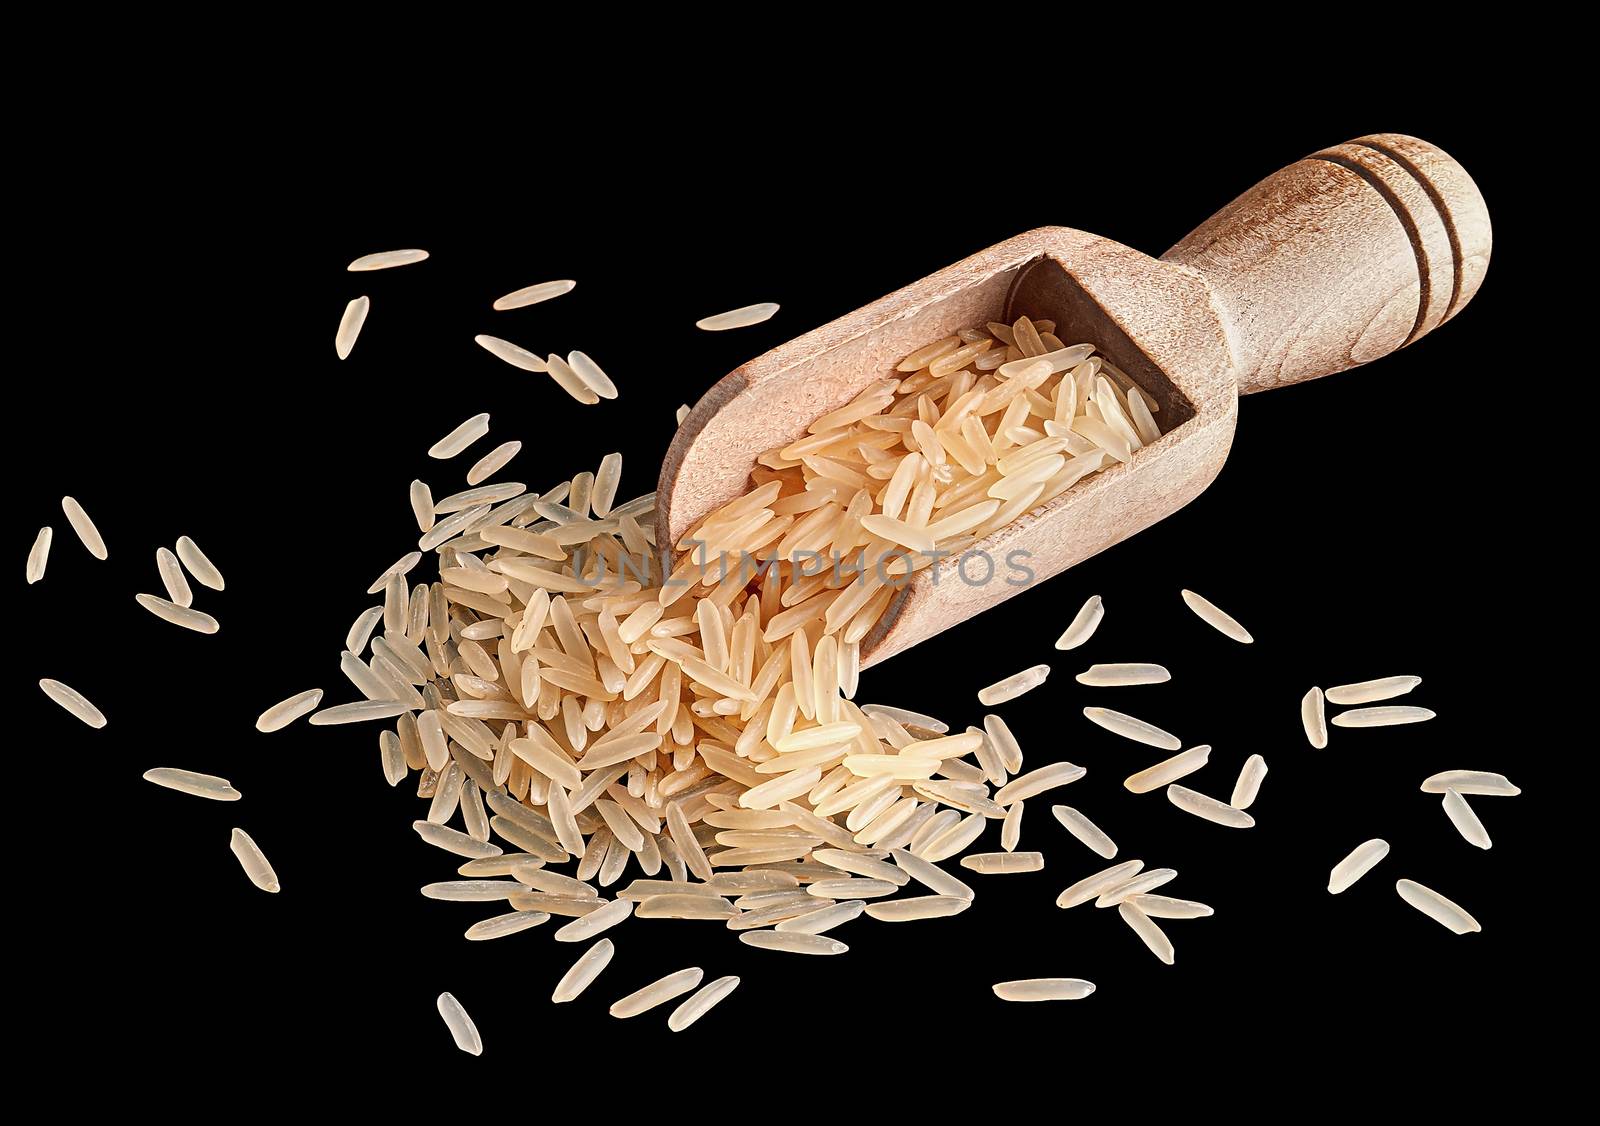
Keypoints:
pixel 182 381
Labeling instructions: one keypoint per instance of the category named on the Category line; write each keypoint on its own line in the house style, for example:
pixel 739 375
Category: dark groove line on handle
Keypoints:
pixel 1445 217
pixel 1399 209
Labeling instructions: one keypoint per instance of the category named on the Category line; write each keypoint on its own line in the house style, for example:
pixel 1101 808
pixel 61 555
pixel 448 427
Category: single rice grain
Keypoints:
pixel 1120 723
pixel 184 616
pixel 282 714
pixel 533 294
pixel 189 782
pixel 1465 820
pixel 462 1030
pixel 701 1003
pixel 1479 783
pixel 386 260
pixel 74 701
pixel 1013 686
pixel 253 861
pixel 1381 717
pixel 39 554
pixel 1370 691
pixel 1085 830
pixel 1249 783
pixel 204 571
pixel 1314 718
pixel 81 524
pixel 1441 910
pixel 1216 619
pixel 658 992
pixel 171 572
pixel 742 317
pixel 460 438
pixel 1044 989
pixel 355 315
pixel 1362 859
pixel 1083 625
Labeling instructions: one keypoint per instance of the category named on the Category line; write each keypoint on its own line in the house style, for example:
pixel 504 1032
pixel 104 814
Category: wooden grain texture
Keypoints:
pixel 1332 262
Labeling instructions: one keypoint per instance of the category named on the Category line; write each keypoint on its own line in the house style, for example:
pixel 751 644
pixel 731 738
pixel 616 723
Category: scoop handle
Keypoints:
pixel 1341 258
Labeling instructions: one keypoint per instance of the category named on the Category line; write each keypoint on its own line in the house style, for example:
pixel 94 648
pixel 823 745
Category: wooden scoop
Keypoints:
pixel 1336 260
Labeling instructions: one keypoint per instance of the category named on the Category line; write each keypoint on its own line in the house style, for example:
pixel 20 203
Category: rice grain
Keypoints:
pixel 1113 676
pixel 742 317
pixel 1441 910
pixel 918 908
pixel 184 616
pixel 88 534
pixel 355 315
pixel 460 438
pixel 1362 859
pixel 792 943
pixel 1119 723
pixel 1085 830
pixel 1152 935
pixel 39 555
pixel 1480 783
pixel 1370 691
pixel 533 294
pixel 1084 623
pixel 1389 716
pixel 1465 821
pixel 658 992
pixel 462 1030
pixel 701 1003
pixel 1003 863
pixel 1314 718
pixel 385 260
pixel 1044 989
pixel 1013 686
pixel 1216 619
pixel 253 861
pixel 1208 808
pixel 1249 783
pixel 74 701
pixel 499 926
pixel 189 782
pixel 593 378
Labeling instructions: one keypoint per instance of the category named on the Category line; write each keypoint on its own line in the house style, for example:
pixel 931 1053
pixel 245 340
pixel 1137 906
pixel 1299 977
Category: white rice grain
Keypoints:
pixel 596 922
pixel 1465 821
pixel 1249 783
pixel 1091 887
pixel 454 841
pixel 74 701
pixel 189 782
pixel 253 861
pixel 1085 830
pixel 460 438
pixel 591 375
pixel 1314 718
pixel 1043 989
pixel 39 554
pixel 1152 935
pixel 1003 863
pixel 1370 691
pixel 386 260
pixel 824 918
pixel 1480 783
pixel 1038 781
pixel 1120 723
pixel 931 876
pixel 658 992
pixel 918 907
pixel 285 712
pixel 533 294
pixel 1216 619
pixel 171 572
pixel 1083 624
pixel 462 1030
pixel 1441 910
pixel 1114 676
pixel 1208 808
pixel 184 616
pixel 358 712
pixel 1165 907
pixel 422 505
pixel 355 315
pixel 701 1003
pixel 606 478
pixel 583 973
pixel 512 354
pixel 1013 686
pixel 204 571
pixel 81 524
pixel 1381 717
pixel 568 380
pixel 742 317
pixel 1168 770
pixel 498 926
pixel 1362 859
pixel 793 943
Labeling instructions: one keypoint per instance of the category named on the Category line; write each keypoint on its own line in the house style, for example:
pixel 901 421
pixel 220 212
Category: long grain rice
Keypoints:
pixel 1149 933
pixel 741 317
pixel 460 438
pixel 591 375
pixel 253 861
pixel 1085 830
pixel 824 918
pixel 1137 884
pixel 1480 783
pixel 1370 691
pixel 930 875
pixel 499 926
pixel 1043 989
pixel 1216 619
pixel 39 554
pixel 1168 770
pixel 793 943
pixel 189 782
pixel 533 294
pixel 285 712
pixel 1465 820
pixel 658 992
pixel 1083 625
pixel 701 1003
pixel 1119 723
pixel 1112 676
pixel 199 565
pixel 358 712
pixel 569 380
pixel 1249 783
pixel 385 260
pixel 1441 910
pixel 74 701
pixel 1091 887
pixel 462 1030
pixel 596 922
pixel 451 840
pixel 88 534
pixel 1013 686
pixel 1208 808
pixel 1038 781
pixel 1389 716
pixel 917 908
pixel 1362 859
pixel 355 315
pixel 172 578
pixel 512 354
pixel 1165 907
pixel 1003 863
pixel 184 616
pixel 1314 718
